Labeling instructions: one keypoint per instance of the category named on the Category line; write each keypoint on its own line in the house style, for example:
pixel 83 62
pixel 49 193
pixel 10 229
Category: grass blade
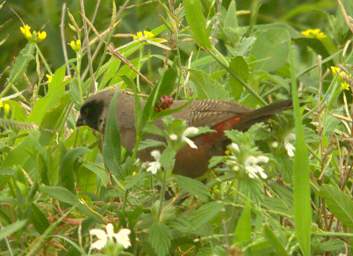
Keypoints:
pixel 301 174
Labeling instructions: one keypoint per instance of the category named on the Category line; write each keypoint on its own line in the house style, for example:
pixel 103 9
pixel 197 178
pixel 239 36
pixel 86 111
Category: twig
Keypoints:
pixel 347 18
pixel 63 40
pixel 87 46
pixel 117 54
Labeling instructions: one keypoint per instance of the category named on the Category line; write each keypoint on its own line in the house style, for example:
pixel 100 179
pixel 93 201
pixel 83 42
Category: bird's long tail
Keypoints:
pixel 263 113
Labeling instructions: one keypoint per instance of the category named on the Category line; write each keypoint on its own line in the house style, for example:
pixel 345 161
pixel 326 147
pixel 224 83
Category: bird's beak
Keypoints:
pixel 80 121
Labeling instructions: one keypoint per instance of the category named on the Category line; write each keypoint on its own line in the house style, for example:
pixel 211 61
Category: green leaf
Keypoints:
pixel 242 233
pixel 66 196
pixel 231 19
pixel 197 22
pixel 99 171
pixel 38 219
pixel 168 81
pixel 276 243
pixel 271 48
pixel 60 193
pixel 12 228
pixel 239 66
pixel 205 214
pixel 111 143
pixel 21 62
pixel 339 203
pixel 168 158
pixel 160 238
pixel 193 187
pixel 68 167
pixel 301 174
pixel 56 90
pixel 207 88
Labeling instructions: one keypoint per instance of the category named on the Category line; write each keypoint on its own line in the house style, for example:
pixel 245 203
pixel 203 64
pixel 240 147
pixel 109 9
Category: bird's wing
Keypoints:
pixel 208 112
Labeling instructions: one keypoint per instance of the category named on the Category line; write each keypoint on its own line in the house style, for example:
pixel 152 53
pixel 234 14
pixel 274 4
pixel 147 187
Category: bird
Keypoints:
pixel 219 115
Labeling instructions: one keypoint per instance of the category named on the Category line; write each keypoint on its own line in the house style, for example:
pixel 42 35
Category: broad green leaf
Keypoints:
pixel 339 203
pixel 56 90
pixel 12 228
pixel 276 243
pixel 239 66
pixel 99 171
pixel 242 233
pixel 207 88
pixel 112 69
pixel 68 167
pixel 111 143
pixel 271 48
pixel 197 22
pixel 168 81
pixel 21 62
pixel 193 186
pixel 301 174
pixel 160 238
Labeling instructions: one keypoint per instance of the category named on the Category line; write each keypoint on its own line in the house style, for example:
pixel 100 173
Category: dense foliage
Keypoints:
pixel 284 187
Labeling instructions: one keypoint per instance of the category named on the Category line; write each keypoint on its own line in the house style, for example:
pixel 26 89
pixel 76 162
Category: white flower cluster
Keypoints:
pixel 108 235
pixel 252 164
pixel 190 131
pixel 154 166
pixel 253 168
pixel 288 144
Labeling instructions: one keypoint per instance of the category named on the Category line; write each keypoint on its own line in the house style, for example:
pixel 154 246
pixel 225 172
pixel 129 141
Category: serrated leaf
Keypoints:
pixel 205 214
pixel 272 238
pixel 160 238
pixel 193 186
pixel 339 203
pixel 21 62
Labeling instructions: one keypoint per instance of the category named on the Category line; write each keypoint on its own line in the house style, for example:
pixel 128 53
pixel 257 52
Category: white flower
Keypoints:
pixel 122 237
pixel 190 131
pixel 288 144
pixel 234 147
pixel 253 168
pixel 173 137
pixel 274 144
pixel 155 166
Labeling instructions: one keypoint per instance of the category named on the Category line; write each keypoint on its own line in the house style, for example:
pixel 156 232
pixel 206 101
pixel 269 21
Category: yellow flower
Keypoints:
pixel 143 35
pixel 26 31
pixel 345 86
pixel 5 107
pixel 335 70
pixel 314 33
pixel 41 35
pixel 49 77
pixel 75 45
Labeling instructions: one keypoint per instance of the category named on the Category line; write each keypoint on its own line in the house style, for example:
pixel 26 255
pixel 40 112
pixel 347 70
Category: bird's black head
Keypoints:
pixel 92 114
